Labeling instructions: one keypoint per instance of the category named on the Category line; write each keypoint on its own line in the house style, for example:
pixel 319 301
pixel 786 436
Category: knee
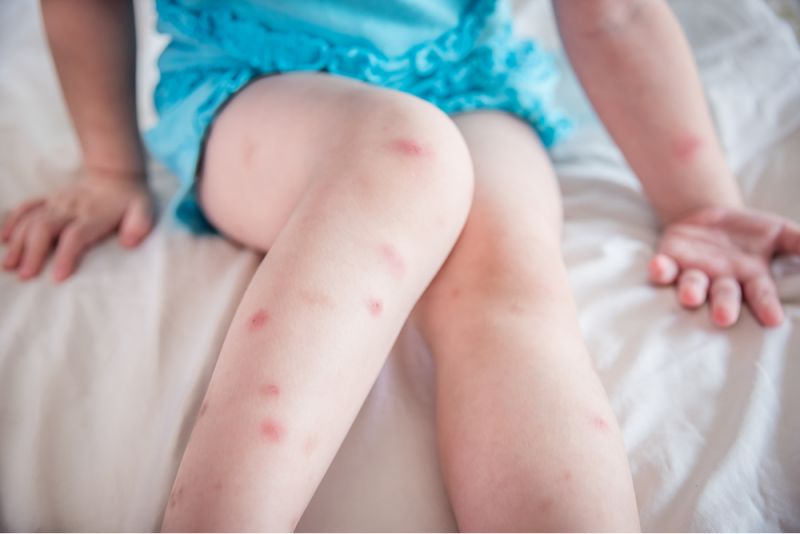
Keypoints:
pixel 399 148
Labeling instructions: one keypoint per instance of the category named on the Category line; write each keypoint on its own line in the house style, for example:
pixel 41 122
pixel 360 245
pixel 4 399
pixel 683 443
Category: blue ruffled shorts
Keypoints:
pixel 215 51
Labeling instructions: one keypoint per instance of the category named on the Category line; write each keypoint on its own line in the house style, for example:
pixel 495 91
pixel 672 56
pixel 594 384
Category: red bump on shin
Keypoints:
pixel 272 430
pixel 375 307
pixel 397 265
pixel 258 320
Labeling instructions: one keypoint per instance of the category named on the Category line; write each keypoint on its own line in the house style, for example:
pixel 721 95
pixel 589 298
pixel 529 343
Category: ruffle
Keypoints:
pixel 453 71
pixel 264 46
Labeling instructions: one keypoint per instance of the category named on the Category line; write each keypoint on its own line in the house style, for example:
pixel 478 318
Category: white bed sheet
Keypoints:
pixel 100 377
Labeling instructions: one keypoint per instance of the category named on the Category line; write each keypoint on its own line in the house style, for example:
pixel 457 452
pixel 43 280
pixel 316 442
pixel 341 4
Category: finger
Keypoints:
pixel 38 242
pixel 73 243
pixel 16 216
pixel 71 246
pixel 789 239
pixel 663 270
pixel 762 297
pixel 15 247
pixel 726 301
pixel 136 223
pixel 692 288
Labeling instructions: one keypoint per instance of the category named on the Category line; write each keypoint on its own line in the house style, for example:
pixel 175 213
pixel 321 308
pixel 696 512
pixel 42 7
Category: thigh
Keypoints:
pixel 516 192
pixel 514 227
pixel 262 148
pixel 509 248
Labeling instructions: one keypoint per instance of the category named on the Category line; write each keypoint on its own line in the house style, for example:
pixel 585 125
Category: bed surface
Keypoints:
pixel 101 376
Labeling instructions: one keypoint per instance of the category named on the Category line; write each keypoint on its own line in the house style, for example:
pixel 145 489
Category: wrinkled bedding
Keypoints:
pixel 101 376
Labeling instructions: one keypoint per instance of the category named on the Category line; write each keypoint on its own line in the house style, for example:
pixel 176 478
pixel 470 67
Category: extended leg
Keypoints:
pixel 376 186
pixel 527 437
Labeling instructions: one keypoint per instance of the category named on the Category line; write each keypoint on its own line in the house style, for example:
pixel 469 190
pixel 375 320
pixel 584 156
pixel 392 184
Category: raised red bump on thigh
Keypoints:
pixel 272 430
pixel 258 320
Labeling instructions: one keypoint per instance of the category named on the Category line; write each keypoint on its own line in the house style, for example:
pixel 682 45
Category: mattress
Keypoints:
pixel 101 376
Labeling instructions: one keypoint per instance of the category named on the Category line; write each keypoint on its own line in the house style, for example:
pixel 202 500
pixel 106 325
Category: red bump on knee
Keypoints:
pixel 272 430
pixel 397 265
pixel 409 147
pixel 599 423
pixel 375 306
pixel 258 320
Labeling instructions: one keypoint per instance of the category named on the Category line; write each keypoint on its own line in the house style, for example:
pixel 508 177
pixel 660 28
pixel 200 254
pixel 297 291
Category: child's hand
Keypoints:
pixel 720 253
pixel 74 219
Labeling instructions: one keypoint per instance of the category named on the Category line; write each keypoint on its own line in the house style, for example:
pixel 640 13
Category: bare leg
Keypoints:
pixel 527 437
pixel 376 186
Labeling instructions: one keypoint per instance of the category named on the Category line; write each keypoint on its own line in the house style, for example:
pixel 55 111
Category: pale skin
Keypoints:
pixel 405 213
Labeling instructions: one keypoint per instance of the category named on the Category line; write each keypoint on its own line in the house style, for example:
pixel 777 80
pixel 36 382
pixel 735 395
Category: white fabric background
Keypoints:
pixel 100 377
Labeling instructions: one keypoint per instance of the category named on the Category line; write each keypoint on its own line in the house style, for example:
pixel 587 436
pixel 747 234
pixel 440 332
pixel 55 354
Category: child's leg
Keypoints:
pixel 376 186
pixel 527 437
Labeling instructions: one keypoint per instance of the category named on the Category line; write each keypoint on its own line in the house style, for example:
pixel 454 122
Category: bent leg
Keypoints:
pixel 527 437
pixel 359 194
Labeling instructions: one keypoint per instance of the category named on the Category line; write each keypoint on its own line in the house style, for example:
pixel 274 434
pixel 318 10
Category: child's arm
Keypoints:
pixel 94 49
pixel 637 70
pixel 93 43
